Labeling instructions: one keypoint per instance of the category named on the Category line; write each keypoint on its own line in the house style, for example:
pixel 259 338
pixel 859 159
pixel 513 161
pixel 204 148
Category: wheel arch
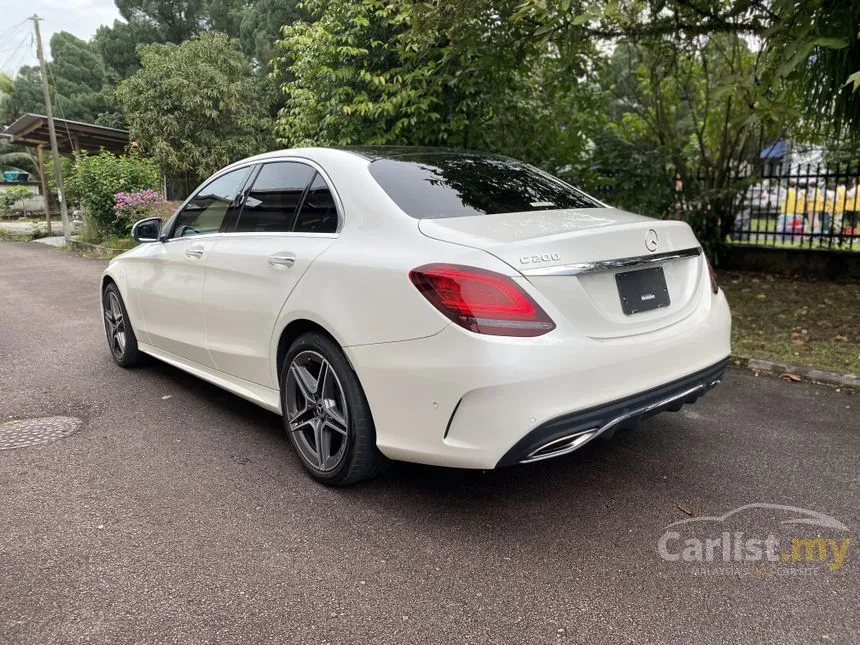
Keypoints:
pixel 295 328
pixel 114 275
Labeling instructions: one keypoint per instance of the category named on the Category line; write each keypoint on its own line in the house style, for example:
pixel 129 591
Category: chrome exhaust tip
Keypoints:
pixel 561 446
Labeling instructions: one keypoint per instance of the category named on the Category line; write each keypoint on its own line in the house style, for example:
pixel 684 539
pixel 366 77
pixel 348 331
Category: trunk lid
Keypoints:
pixel 542 245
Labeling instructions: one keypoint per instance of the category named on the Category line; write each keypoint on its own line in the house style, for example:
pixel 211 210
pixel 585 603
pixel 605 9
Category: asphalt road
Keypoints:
pixel 188 520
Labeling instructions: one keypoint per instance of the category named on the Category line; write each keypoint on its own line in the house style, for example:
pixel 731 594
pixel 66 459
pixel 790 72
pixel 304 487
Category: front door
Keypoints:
pixel 169 279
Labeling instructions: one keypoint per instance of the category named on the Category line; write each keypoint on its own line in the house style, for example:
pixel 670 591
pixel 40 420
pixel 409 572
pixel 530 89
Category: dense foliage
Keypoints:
pixel 96 180
pixel 381 72
pixel 655 105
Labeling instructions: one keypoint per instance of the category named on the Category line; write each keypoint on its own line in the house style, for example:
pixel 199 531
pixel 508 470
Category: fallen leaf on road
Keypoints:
pixel 684 510
pixel 788 376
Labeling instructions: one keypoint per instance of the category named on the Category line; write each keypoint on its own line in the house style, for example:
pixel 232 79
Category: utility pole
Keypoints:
pixel 45 195
pixel 49 112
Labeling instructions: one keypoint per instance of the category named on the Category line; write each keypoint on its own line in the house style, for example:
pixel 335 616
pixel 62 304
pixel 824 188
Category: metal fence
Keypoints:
pixel 801 207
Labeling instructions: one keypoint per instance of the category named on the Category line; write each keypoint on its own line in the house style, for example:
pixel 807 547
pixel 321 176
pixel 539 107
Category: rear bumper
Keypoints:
pixel 469 401
pixel 570 432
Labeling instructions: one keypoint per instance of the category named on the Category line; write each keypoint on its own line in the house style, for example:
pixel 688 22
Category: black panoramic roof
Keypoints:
pixel 374 153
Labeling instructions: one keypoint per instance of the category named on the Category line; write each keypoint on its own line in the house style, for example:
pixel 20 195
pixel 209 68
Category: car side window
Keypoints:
pixel 206 211
pixel 272 201
pixel 318 213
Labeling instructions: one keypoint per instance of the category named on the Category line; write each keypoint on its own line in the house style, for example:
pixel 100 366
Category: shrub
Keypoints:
pixel 97 179
pixel 10 197
pixel 130 207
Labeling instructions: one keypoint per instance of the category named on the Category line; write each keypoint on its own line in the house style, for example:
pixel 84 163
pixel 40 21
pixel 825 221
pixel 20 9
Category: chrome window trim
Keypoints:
pixel 620 263
pixel 234 234
pixel 252 234
pixel 170 224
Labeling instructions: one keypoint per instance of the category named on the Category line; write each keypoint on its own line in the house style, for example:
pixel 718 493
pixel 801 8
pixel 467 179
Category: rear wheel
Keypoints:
pixel 326 414
pixel 120 335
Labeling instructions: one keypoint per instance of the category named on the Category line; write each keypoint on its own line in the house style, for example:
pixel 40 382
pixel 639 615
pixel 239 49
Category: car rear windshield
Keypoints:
pixel 437 185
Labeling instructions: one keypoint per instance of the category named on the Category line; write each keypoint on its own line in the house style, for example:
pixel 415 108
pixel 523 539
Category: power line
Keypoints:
pixel 16 51
pixel 12 31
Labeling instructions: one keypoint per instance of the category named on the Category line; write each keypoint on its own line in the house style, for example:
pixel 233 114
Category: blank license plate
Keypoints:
pixel 642 290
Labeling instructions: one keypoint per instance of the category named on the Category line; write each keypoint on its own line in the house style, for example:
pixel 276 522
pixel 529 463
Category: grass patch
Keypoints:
pixel 795 320
pixel 119 243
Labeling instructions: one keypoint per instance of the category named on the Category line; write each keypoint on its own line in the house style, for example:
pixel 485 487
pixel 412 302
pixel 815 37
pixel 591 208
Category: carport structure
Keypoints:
pixel 72 136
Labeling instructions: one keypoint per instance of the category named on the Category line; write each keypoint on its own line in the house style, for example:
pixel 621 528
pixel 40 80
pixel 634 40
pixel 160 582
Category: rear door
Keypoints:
pixel 288 219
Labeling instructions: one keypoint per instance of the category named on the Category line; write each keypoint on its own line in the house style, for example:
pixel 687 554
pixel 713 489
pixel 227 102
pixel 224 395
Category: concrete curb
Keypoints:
pixel 806 373
pixel 101 251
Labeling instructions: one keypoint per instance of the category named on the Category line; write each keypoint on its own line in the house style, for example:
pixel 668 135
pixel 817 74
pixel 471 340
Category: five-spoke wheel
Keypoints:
pixel 326 414
pixel 317 412
pixel 120 334
pixel 114 324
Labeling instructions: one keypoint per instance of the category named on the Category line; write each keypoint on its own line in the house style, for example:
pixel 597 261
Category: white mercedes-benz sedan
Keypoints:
pixel 443 307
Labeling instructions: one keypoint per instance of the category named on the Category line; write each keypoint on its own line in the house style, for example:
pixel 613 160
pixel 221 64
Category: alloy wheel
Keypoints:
pixel 317 413
pixel 115 324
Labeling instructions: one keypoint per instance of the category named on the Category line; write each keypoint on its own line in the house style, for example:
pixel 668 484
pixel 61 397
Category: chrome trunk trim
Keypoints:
pixel 606 265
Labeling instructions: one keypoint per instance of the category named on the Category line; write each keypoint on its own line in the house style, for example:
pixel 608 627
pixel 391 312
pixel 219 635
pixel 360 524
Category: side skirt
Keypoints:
pixel 263 396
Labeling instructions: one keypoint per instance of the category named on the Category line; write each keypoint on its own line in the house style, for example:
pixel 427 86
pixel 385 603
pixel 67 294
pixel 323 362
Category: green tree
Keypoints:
pixel 195 107
pixel 79 82
pixel 117 46
pixel 173 20
pixel 260 25
pixel 812 45
pixel 79 87
pixel 378 72
pixel 26 95
pixel 12 157
pixel 7 85
pixel 701 105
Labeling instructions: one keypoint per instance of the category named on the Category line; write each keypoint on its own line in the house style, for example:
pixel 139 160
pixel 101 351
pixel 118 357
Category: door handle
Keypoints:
pixel 282 260
pixel 194 252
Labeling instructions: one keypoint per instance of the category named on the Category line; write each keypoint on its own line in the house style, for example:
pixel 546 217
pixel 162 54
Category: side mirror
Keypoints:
pixel 147 230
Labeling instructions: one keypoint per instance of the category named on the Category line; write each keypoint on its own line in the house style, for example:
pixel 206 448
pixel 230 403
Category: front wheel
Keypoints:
pixel 120 335
pixel 326 415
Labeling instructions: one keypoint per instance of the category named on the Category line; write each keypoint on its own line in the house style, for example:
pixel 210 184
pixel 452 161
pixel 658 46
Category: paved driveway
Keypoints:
pixel 188 520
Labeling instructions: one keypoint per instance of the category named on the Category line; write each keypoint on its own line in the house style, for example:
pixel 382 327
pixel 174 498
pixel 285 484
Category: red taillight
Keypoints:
pixel 713 274
pixel 481 301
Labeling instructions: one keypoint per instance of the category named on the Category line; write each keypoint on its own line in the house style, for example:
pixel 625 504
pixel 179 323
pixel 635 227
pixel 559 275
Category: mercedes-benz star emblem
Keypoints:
pixel 651 240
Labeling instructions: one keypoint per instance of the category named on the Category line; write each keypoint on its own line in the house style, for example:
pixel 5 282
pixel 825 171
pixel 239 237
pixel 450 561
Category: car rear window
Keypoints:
pixel 437 185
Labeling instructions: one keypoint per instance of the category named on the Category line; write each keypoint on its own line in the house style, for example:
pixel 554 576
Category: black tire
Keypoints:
pixel 358 458
pixel 124 350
